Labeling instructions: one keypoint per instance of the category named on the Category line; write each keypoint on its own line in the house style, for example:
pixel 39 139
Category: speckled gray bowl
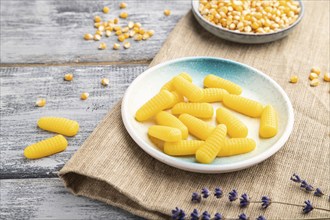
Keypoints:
pixel 244 38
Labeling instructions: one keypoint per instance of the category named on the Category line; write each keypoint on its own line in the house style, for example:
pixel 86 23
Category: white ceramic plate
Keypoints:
pixel 255 84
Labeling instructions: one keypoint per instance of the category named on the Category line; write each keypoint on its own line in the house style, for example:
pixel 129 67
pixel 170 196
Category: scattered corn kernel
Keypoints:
pixel 313 76
pixel 138 25
pixel 165 133
pixel 88 37
pixel 123 15
pixel 98 32
pixel 131 33
pixel 105 82
pixel 41 102
pixel 121 38
pixel 118 33
pixel 58 125
pixel 167 12
pixel 294 79
pixel 97 25
pixel 97 37
pixel 108 33
pixel 101 28
pixel 106 10
pixel 145 36
pixel 138 37
pixel 130 24
pixel 316 70
pixel 84 95
pixel 116 46
pixel 122 5
pixel 117 28
pixel 326 77
pixel 125 29
pixel 127 45
pixel 126 35
pixel 142 31
pixel 102 46
pixel 115 20
pixel 97 19
pixel 68 77
pixel 151 33
pixel 314 82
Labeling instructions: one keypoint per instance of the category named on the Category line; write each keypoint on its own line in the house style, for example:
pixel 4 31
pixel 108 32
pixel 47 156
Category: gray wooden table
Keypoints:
pixel 41 40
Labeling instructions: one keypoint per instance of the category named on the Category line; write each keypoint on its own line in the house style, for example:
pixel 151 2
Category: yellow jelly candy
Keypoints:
pixel 200 110
pixel 189 90
pixel 169 85
pixel 46 147
pixel 182 148
pixel 213 144
pixel 235 128
pixel 234 146
pixel 58 125
pixel 213 95
pixel 268 122
pixel 243 105
pixel 163 100
pixel 158 143
pixel 196 126
pixel 165 133
pixel 176 98
pixel 212 81
pixel 167 119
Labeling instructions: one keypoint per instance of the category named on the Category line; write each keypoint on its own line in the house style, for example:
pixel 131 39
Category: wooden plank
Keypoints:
pixel 20 87
pixel 48 199
pixel 40 31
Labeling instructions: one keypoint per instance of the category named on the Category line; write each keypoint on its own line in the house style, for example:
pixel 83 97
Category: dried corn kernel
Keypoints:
pixel 127 45
pixel 97 25
pixel 314 82
pixel 58 125
pixel 235 146
pixel 102 46
pixel 46 147
pixel 235 127
pixel 68 77
pixel 212 81
pixel 115 20
pixel 126 35
pixel 97 19
pixel 84 95
pixel 200 110
pixel 107 33
pixel 326 77
pixel 130 24
pixel 121 38
pixel 182 148
pixel 243 105
pixel 123 15
pixel 145 36
pixel 138 37
pixel 167 119
pixel 169 85
pixel 213 95
pixel 167 12
pixel 41 102
pixel 117 28
pixel 122 5
pixel 207 152
pixel 294 79
pixel 106 10
pixel 158 103
pixel 316 70
pixel 165 133
pixel 97 37
pixel 88 37
pixel 125 29
pixel 138 25
pixel 313 76
pixel 189 90
pixel 101 28
pixel 268 122
pixel 196 126
pixel 116 46
pixel 105 82
pixel 151 33
pixel 118 33
pixel 131 33
pixel 142 31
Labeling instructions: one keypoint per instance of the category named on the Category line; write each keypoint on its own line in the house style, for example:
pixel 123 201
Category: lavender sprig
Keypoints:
pixel 260 217
pixel 178 214
pixel 308 207
pixel 206 216
pixel 195 197
pixel 244 200
pixel 265 202
pixel 306 186
pixel 218 216
pixel 318 192
pixel 218 193
pixel 233 195
pixel 243 217
pixel 295 178
pixel 205 193
pixel 194 215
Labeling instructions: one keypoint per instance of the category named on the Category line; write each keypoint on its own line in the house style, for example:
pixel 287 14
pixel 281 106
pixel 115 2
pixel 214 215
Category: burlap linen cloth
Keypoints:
pixel 112 168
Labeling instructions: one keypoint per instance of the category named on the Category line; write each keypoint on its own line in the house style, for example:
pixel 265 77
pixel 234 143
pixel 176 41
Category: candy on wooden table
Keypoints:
pixel 191 91
pixel 59 125
pixel 200 110
pixel 46 147
pixel 182 148
pixel 165 133
pixel 243 105
pixel 235 127
pixel 196 126
pixel 167 119
pixel 212 81
pixel 163 100
pixel 207 152
pixel 158 143
pixel 169 85
pixel 235 146
pixel 268 122
pixel 213 95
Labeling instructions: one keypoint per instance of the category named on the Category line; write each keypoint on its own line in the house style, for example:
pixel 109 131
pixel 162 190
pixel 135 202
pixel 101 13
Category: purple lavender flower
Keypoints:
pixel 218 216
pixel 205 193
pixel 265 202
pixel 178 214
pixel 308 207
pixel 261 218
pixel 233 195
pixel 218 192
pixel 295 178
pixel 195 197
pixel 306 186
pixel 242 217
pixel 206 216
pixel 244 200
pixel 194 215
pixel 318 192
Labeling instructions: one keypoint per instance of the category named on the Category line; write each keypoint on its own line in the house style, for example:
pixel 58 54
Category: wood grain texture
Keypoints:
pixel 41 31
pixel 48 199
pixel 20 88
